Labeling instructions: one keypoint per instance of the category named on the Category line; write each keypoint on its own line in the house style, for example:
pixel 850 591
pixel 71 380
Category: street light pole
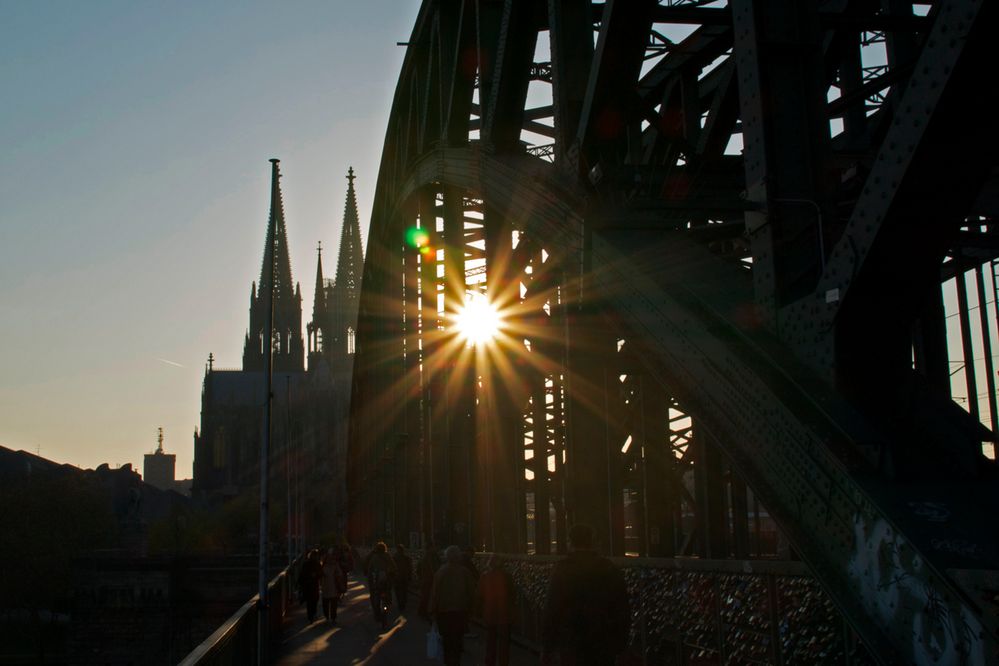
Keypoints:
pixel 262 600
pixel 287 465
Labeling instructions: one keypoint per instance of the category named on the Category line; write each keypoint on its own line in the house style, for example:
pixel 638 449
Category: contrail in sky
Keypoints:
pixel 163 360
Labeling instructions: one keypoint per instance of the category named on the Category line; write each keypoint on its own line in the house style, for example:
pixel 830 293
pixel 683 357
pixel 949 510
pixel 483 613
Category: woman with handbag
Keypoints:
pixel 334 583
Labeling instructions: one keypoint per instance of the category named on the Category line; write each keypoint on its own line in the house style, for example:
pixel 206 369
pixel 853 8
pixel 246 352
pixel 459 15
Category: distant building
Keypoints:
pixel 159 468
pixel 131 502
pixel 58 521
pixel 308 431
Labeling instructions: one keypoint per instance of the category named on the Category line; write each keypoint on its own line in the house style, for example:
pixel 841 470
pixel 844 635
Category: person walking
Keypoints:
pixel 308 583
pixel 345 557
pixel 496 594
pixel 425 571
pixel 587 617
pixel 380 571
pixel 451 600
pixel 333 583
pixel 468 560
pixel 404 574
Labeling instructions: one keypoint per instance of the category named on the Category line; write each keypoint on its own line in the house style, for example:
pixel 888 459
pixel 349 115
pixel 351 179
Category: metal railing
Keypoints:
pixel 235 642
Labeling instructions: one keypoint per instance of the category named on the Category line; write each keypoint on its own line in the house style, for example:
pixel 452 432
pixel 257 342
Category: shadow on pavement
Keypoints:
pixel 357 638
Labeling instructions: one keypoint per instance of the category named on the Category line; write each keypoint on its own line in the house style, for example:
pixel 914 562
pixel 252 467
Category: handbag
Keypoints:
pixel 435 647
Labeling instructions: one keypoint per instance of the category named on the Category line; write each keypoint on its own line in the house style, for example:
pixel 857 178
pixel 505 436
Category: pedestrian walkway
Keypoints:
pixel 357 639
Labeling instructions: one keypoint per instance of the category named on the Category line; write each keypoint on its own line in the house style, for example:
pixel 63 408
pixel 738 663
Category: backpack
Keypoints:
pixel 378 576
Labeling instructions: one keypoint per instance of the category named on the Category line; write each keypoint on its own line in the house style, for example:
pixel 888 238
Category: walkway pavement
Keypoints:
pixel 357 639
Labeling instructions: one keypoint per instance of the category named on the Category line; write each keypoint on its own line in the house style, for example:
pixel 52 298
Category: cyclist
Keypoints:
pixel 381 572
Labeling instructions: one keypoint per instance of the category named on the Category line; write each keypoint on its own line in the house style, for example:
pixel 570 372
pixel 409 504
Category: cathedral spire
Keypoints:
pixel 276 245
pixel 318 324
pixel 343 298
pixel 350 260
pixel 285 335
pixel 319 300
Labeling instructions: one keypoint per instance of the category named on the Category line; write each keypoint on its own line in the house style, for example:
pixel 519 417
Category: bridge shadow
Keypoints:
pixel 357 639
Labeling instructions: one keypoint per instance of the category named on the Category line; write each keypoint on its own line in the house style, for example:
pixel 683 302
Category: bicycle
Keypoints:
pixel 381 604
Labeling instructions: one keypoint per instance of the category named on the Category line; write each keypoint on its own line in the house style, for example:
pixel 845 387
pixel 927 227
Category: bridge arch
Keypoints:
pixel 687 317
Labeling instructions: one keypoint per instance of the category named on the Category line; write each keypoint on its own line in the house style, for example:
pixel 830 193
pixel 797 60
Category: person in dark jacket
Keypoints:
pixel 468 560
pixel 425 570
pixel 404 574
pixel 586 618
pixel 308 583
pixel 345 557
pixel 496 595
pixel 380 571
pixel 451 602
pixel 333 583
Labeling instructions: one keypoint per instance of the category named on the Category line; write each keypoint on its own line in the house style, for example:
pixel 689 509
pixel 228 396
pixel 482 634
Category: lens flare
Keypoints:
pixel 479 321
pixel 416 237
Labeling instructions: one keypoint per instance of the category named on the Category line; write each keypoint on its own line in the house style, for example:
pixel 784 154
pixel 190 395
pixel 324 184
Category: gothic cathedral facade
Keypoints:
pixel 310 404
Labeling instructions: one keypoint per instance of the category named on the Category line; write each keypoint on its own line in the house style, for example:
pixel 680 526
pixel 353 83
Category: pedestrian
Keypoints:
pixel 308 583
pixel 334 583
pixel 345 553
pixel 496 594
pixel 586 618
pixel 468 559
pixel 354 557
pixel 404 574
pixel 451 602
pixel 346 561
pixel 380 571
pixel 425 571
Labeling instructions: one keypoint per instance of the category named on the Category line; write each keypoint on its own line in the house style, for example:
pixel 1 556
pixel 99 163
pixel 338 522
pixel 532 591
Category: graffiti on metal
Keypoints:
pixel 934 512
pixel 893 582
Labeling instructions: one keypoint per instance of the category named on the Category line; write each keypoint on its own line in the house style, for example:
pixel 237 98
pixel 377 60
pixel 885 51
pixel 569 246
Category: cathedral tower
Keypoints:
pixel 344 297
pixel 334 317
pixel 287 341
pixel 317 328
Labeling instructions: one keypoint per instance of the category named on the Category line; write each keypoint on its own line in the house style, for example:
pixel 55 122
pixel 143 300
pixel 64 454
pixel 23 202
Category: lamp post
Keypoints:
pixel 287 468
pixel 399 457
pixel 262 600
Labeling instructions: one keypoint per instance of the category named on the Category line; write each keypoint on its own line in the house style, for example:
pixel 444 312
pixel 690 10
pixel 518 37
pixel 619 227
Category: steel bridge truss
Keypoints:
pixel 745 256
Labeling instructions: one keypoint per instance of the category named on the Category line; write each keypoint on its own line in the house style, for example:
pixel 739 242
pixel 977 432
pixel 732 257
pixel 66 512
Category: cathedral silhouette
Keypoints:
pixel 309 414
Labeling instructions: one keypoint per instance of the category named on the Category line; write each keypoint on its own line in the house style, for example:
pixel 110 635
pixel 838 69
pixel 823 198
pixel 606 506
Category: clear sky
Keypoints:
pixel 134 139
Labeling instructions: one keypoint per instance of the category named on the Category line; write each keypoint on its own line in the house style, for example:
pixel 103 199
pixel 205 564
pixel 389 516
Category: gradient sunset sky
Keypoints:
pixel 134 139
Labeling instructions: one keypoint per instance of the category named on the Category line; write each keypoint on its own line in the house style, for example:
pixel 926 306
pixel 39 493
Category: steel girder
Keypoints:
pixel 788 294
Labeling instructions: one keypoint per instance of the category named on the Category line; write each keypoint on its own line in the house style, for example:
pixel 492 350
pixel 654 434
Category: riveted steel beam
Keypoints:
pixel 824 389
pixel 514 55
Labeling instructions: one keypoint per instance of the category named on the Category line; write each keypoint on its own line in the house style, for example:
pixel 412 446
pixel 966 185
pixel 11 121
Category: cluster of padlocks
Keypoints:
pixel 531 578
pixel 698 612
pixel 711 616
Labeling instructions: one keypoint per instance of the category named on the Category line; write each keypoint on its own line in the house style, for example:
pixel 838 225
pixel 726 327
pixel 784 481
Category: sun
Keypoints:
pixel 478 322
